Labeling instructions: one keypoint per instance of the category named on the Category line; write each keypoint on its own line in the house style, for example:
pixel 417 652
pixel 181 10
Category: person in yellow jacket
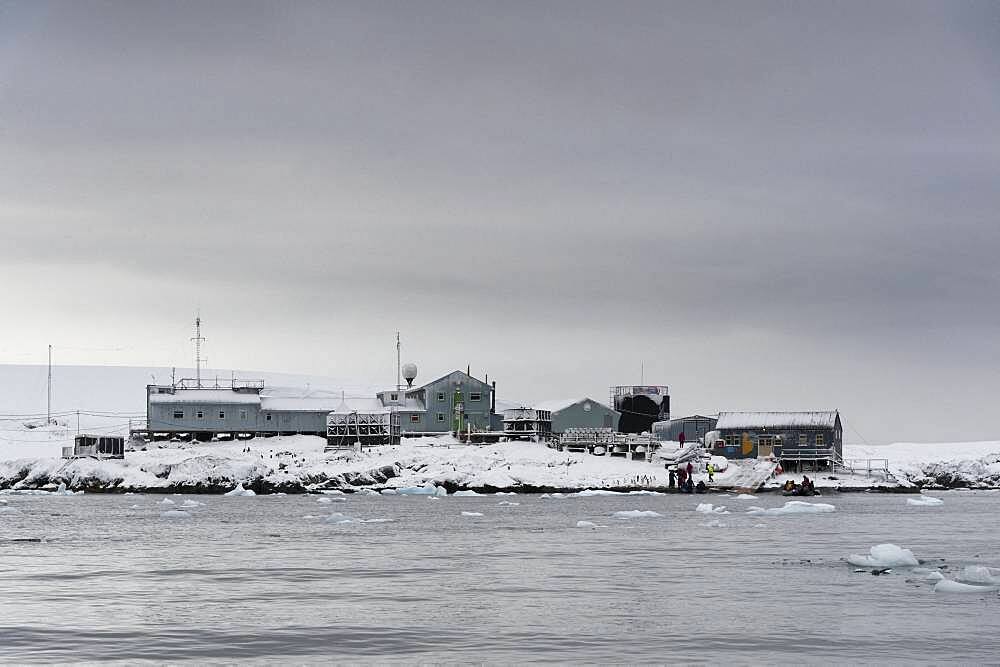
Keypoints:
pixel 711 472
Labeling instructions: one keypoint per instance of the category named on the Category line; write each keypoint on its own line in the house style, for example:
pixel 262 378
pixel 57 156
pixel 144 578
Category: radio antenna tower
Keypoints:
pixel 198 340
pixel 399 368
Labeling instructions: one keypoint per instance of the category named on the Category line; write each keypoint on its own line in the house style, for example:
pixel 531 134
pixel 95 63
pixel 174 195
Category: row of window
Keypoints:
pixel 474 396
pixel 200 414
pixel 734 440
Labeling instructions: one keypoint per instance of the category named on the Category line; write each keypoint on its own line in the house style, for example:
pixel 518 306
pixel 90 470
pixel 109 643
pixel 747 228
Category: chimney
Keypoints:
pixel 493 398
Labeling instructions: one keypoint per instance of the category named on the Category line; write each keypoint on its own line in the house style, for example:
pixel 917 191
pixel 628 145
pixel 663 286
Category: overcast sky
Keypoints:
pixel 787 205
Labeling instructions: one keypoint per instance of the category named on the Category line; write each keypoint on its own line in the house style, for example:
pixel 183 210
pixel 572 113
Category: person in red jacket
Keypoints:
pixel 680 438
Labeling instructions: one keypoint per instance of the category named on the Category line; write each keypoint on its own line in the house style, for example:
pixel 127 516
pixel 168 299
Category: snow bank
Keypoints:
pixel 636 514
pixel 792 507
pixel 884 555
pixel 949 586
pixel 709 508
pixel 239 491
pixel 925 501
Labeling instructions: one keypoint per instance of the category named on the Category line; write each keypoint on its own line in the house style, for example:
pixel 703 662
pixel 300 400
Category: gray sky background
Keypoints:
pixel 768 205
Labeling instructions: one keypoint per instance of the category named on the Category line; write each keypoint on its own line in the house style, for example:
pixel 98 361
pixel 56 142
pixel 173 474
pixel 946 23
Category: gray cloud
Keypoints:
pixel 763 203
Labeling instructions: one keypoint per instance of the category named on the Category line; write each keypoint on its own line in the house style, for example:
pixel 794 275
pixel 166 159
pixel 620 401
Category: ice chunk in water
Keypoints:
pixel 240 491
pixel 472 513
pixel 746 496
pixel 792 507
pixel 166 501
pixel 4 509
pixel 885 555
pixel 324 500
pixel 977 574
pixel 636 514
pixel 714 523
pixel 554 496
pixel 430 490
pixel 587 524
pixel 388 492
pixel 175 514
pixel 949 586
pixel 463 494
pixel 507 503
pixel 925 501
pixel 191 503
pixel 709 508
pixel 586 493
pixel 338 518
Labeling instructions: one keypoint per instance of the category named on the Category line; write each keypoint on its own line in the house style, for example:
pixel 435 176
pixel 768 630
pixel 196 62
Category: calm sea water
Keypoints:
pixel 252 580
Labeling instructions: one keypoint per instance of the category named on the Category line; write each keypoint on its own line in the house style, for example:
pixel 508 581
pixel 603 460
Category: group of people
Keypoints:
pixel 681 478
pixel 806 488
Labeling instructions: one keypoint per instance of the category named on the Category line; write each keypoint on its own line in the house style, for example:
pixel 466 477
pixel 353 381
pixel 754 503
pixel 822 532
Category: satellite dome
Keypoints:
pixel 409 373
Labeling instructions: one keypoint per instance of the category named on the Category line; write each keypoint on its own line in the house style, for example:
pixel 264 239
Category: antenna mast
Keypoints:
pixel 48 403
pixel 399 367
pixel 198 340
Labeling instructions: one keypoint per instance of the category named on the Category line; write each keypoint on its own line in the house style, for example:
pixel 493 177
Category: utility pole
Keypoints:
pixel 48 403
pixel 198 340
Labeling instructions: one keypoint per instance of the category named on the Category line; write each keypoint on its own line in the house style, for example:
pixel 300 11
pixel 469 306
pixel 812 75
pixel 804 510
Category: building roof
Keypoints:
pixel 218 396
pixel 559 404
pixel 751 420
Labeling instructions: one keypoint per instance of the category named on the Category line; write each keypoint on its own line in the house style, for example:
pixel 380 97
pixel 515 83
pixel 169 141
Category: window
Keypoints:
pixel 267 418
pixel 587 406
pixel 476 396
pixel 440 416
pixel 178 414
pixel 200 414
pixel 243 415
pixel 414 419
pixel 393 397
pixel 819 440
pixel 440 395
pixel 802 440
pixel 733 440
pixel 222 414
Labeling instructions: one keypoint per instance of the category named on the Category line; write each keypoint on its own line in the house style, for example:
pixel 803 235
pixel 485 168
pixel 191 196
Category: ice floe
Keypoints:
pixel 949 586
pixel 709 508
pixel 588 524
pixel 472 513
pixel 239 491
pixel 636 514
pixel 192 503
pixel 714 523
pixel 175 514
pixel 746 496
pixel 429 490
pixel 324 500
pixel 792 507
pixel 4 509
pixel 507 503
pixel 552 496
pixel 464 494
pixel 925 501
pixel 979 574
pixel 884 555
pixel 166 501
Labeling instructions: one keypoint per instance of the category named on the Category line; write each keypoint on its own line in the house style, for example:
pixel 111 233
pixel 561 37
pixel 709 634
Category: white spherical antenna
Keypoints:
pixel 409 373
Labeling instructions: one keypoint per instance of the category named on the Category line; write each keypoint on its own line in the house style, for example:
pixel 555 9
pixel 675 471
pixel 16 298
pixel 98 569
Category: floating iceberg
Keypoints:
pixel 949 586
pixel 925 501
pixel 388 492
pixel 430 490
pixel 978 574
pixel 472 513
pixel 885 555
pixel 175 514
pixel 636 514
pixel 507 503
pixel 708 508
pixel 746 496
pixel 166 501
pixel 62 491
pixel 792 507
pixel 240 491
pixel 587 524
pixel 464 494
pixel 324 500
pixel 191 503
pixel 552 496
pixel 587 493
pixel 504 493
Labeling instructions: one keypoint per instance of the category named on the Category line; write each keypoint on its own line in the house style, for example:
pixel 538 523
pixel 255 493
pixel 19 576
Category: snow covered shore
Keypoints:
pixel 298 464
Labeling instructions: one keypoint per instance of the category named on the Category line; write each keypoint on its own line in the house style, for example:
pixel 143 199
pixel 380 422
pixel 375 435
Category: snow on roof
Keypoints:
pixel 558 404
pixel 730 420
pixel 206 396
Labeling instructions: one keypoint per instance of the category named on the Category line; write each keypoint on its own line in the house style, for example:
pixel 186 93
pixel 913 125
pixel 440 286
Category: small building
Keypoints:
pixel 579 413
pixel 527 424
pixel 787 436
pixel 96 446
pixel 694 428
